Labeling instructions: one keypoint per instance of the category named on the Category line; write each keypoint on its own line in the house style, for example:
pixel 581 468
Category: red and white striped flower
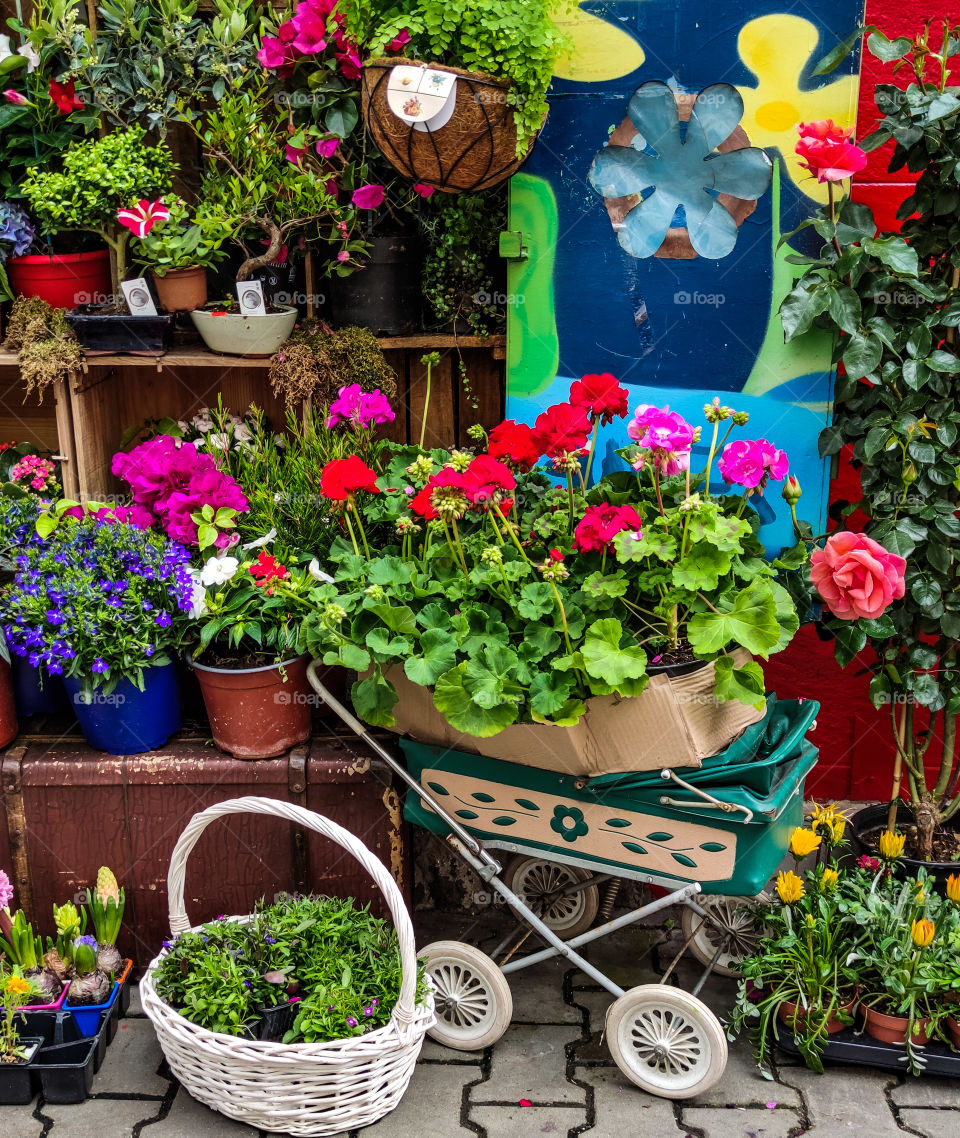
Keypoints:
pixel 143 216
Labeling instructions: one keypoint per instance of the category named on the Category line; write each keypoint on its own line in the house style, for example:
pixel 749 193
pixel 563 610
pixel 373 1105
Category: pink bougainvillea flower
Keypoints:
pixel 424 190
pixel 15 97
pixel 601 524
pixel 750 462
pixel 294 154
pixel 665 434
pixel 272 54
pixel 829 151
pixel 343 256
pixel 856 576
pixel 65 96
pixel 311 29
pixel 143 216
pixel 327 147
pixel 369 196
pixel 400 41
pixel 350 63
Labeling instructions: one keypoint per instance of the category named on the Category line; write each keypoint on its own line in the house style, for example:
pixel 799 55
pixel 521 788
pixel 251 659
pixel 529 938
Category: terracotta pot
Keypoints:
pixel 63 281
pixel 181 290
pixel 787 1011
pixel 8 708
pixel 953 1030
pixel 253 713
pixel 893 1029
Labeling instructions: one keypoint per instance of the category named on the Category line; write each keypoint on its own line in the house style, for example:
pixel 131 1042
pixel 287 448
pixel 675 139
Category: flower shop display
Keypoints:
pixel 460 109
pixel 46 346
pixel 362 1013
pixel 526 616
pixel 891 592
pixel 99 600
pixel 178 250
pixel 23 950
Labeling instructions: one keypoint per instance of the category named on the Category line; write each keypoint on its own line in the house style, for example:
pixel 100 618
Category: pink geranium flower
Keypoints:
pixel 142 217
pixel 665 434
pixel 601 524
pixel 361 408
pixel 750 463
pixel 856 576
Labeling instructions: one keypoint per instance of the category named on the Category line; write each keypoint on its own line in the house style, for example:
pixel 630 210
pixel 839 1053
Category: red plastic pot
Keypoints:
pixel 893 1029
pixel 253 712
pixel 63 281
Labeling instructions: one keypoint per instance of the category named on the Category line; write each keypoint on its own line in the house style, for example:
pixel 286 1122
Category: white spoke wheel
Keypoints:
pixel 733 926
pixel 542 886
pixel 472 998
pixel 666 1041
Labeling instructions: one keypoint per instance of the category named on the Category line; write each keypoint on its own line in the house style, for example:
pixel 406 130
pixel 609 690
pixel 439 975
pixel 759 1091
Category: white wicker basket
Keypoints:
pixel 297 1088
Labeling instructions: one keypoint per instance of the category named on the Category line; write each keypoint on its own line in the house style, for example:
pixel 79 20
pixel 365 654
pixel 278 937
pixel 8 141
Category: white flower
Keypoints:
pixel 241 432
pixel 202 422
pixel 5 51
pixel 218 570
pixel 30 54
pixel 218 442
pixel 198 599
pixel 317 573
pixel 265 540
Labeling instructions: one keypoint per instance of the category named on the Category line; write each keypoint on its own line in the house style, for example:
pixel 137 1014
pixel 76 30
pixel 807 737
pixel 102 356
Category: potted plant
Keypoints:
pixel 255 188
pixel 503 56
pixel 891 300
pixel 800 974
pixel 105 904
pixel 16 1052
pixel 105 613
pixel 524 615
pixel 113 187
pixel 23 950
pixel 178 250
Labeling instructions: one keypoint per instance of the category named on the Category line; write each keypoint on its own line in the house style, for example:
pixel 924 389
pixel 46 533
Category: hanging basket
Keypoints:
pixel 298 1088
pixel 474 150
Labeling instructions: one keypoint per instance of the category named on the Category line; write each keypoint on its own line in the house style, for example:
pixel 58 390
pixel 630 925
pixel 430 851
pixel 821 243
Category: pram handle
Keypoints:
pixel 710 802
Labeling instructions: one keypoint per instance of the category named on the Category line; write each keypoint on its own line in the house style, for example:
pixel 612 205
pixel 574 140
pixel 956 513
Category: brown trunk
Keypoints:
pixel 251 264
pixel 927 818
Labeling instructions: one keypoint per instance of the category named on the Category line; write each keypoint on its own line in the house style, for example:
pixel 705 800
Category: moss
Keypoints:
pixel 316 362
pixel 47 350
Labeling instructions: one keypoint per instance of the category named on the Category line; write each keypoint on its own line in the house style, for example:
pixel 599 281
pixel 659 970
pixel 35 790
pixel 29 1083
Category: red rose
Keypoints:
pixel 829 151
pixel 515 442
pixel 65 96
pixel 561 429
pixel 601 396
pixel 486 481
pixel 343 477
pixel 600 525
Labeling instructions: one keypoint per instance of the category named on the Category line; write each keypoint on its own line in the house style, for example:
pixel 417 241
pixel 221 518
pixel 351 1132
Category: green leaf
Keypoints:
pixel 488 676
pixel 701 568
pixel 399 618
pixel 654 543
pixel 374 699
pixel 455 704
pixel 389 572
pixel 536 600
pixel 384 646
pixel 350 656
pixel 744 684
pixel 439 654
pixel 894 252
pixel 830 441
pixel 943 361
pixel 604 658
pixel 843 305
pixel 549 692
pixel 850 639
pixel 750 620
pixel 888 50
pixel 341 118
pixel 861 354
pixel 800 307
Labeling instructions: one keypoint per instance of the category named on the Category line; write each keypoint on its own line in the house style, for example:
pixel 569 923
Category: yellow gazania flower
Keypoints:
pixel 778 50
pixel 953 887
pixel 803 842
pixel 17 986
pixel 923 933
pixel 829 823
pixel 828 880
pixel 789 887
pixel 891 845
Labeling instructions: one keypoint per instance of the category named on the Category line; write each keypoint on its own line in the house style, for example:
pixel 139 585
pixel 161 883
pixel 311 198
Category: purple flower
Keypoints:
pixel 99 665
pixel 162 620
pixel 351 1022
pixel 368 1011
pixel 270 939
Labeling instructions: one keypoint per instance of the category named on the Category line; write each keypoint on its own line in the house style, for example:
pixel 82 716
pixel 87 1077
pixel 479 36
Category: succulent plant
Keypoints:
pixel 106 903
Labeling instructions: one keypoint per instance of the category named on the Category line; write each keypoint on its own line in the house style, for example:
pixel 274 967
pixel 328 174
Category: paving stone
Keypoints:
pixel 16 1122
pixel 189 1119
pixel 932 1123
pixel 538 994
pixel 743 1122
pixel 626 957
pixel 434 1052
pixel 131 1063
pixel 530 1063
pixel 522 1122
pixel 430 1108
pixel 616 1098
pixel 135 1009
pixel 845 1100
pixel 928 1091
pixel 743 1085
pixel 98 1118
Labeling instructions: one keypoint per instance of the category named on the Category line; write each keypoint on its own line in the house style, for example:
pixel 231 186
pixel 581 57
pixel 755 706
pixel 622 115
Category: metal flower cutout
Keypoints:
pixel 675 172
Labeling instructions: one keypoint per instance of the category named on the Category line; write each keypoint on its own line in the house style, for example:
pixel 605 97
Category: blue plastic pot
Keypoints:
pixel 129 721
pixel 86 1017
pixel 35 692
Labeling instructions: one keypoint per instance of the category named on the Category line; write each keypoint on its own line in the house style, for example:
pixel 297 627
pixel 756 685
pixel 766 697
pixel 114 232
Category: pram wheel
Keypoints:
pixel 733 928
pixel 543 885
pixel 666 1041
pixel 473 1001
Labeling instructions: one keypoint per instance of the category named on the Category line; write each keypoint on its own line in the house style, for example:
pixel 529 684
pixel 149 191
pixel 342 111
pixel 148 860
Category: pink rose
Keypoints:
pixel 369 196
pixel 750 462
pixel 828 151
pixel 856 576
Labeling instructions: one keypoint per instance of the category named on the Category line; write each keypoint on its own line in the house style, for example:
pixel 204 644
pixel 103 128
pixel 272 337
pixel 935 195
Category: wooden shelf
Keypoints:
pixel 196 357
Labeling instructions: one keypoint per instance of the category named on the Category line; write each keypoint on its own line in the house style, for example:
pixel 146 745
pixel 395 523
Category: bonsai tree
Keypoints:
pixel 893 301
pixel 259 181
pixel 100 178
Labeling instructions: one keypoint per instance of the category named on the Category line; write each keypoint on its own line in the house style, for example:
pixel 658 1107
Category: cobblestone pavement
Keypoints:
pixel 553 1058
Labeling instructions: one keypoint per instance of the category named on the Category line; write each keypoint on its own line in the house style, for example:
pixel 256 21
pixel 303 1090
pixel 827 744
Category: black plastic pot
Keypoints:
pixel 56 1028
pixel 17 1086
pixel 66 1070
pixel 276 1022
pixel 386 294
pixel 874 818
pixel 682 669
pixel 109 333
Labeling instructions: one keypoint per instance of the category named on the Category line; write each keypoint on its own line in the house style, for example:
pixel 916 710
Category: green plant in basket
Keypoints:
pixel 182 240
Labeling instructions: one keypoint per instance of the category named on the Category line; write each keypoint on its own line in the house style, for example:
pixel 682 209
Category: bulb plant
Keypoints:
pixel 105 903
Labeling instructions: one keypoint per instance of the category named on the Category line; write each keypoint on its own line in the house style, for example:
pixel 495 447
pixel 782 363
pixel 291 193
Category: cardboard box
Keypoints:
pixel 674 723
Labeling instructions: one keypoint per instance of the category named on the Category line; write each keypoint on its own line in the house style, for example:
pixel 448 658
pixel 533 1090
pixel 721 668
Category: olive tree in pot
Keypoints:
pixel 260 187
pixel 893 301
pixel 112 187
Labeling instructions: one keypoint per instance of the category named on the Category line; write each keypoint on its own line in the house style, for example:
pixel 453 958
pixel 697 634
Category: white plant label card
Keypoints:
pixel 138 298
pixel 250 295
pixel 421 96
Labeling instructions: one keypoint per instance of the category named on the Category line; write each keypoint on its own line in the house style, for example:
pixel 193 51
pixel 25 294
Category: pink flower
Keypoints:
pixel 343 256
pixel 327 147
pixel 294 154
pixel 369 196
pixel 143 216
pixel 311 28
pixel 423 189
pixel 350 63
pixel 865 861
pixel 856 576
pixel 829 151
pixel 6 890
pixel 137 516
pixel 600 525
pixel 666 434
pixel 399 42
pixel 751 462
pixel 15 97
pixel 361 408
pixel 272 53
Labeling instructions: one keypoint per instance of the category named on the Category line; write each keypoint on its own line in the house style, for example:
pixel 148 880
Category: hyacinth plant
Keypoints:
pixel 517 591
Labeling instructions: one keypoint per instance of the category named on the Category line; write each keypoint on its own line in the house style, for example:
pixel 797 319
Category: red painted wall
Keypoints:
pixel 856 751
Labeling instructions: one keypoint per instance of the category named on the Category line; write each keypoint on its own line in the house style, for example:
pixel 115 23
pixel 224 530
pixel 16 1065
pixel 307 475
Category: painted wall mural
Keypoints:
pixel 651 210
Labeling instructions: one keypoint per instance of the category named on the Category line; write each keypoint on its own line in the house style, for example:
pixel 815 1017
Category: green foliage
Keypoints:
pixel 181 241
pixel 46 346
pixel 22 948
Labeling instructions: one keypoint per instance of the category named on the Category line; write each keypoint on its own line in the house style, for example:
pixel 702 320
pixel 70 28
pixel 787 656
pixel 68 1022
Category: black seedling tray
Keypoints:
pixel 66 1069
pixel 56 1028
pixel 854 1049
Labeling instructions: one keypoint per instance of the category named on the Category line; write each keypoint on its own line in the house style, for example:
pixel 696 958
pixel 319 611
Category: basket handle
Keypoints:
pixel 404 1010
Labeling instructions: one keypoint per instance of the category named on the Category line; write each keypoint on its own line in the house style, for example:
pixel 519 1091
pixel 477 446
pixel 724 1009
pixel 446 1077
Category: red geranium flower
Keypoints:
pixel 268 568
pixel 485 481
pixel 600 395
pixel 65 96
pixel 445 479
pixel 561 429
pixel 600 525
pixel 343 477
pixel 515 442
